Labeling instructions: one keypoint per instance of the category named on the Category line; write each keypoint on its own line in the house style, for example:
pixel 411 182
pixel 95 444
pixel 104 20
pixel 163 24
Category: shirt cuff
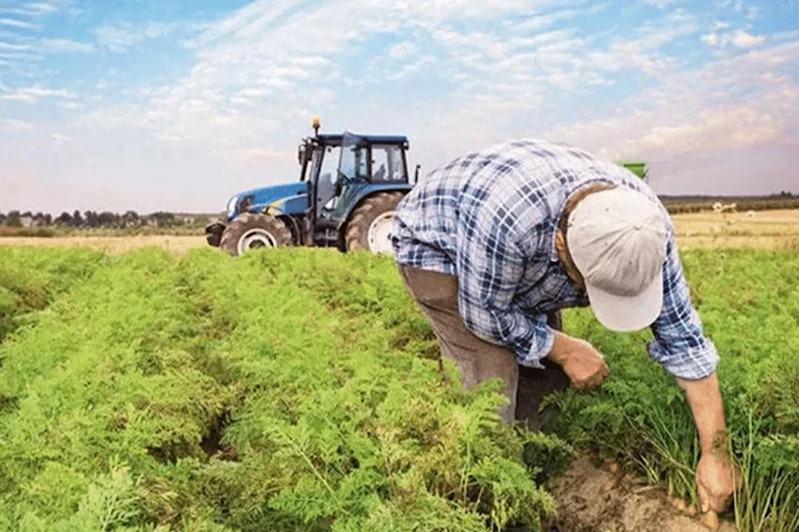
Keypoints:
pixel 540 344
pixel 684 361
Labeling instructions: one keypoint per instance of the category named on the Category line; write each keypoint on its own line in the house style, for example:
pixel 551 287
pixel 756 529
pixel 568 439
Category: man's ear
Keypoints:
pixel 560 242
pixel 566 259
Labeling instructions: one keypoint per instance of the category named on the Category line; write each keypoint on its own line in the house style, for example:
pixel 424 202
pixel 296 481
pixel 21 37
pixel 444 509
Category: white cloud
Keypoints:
pixel 738 38
pixel 743 39
pixel 660 4
pixel 402 50
pixel 711 39
pixel 10 125
pixel 15 23
pixel 33 9
pixel 735 104
pixel 33 94
pixel 60 138
pixel 120 37
pixel 12 47
pixel 64 46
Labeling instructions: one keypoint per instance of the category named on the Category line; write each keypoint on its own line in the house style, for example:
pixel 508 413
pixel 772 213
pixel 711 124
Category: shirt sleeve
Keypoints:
pixel 680 344
pixel 490 265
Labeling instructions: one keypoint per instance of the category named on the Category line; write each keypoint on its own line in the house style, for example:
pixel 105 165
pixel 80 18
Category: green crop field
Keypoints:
pixel 299 389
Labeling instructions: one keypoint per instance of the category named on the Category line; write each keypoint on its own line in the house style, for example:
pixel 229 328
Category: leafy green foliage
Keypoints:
pixel 31 278
pixel 749 304
pixel 277 391
pixel 300 390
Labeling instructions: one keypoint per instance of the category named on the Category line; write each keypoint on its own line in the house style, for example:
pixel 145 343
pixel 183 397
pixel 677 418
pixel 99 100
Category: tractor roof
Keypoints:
pixel 336 138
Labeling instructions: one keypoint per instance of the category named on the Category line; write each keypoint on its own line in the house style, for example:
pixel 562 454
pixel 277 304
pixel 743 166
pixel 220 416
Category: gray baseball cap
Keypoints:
pixel 617 239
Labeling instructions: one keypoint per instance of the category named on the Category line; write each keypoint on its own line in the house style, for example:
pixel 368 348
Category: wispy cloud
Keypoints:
pixel 10 125
pixel 743 39
pixel 120 37
pixel 33 8
pixel 33 94
pixel 738 38
pixel 64 46
pixel 16 23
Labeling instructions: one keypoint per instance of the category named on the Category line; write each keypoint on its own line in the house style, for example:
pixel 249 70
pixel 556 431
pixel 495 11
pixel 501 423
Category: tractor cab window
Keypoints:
pixel 328 177
pixel 387 163
pixel 353 163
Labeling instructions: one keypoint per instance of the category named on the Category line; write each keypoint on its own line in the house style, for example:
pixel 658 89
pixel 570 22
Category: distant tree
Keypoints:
pixel 14 219
pixel 77 219
pixel 2 218
pixel 130 219
pixel 107 219
pixel 64 219
pixel 163 219
pixel 91 218
pixel 41 219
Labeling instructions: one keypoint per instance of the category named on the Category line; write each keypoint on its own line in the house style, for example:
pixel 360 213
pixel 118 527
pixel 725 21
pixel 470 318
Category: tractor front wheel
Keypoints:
pixel 253 230
pixel 370 225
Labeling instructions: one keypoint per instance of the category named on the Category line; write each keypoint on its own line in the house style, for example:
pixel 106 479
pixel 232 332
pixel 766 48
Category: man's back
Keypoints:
pixel 513 191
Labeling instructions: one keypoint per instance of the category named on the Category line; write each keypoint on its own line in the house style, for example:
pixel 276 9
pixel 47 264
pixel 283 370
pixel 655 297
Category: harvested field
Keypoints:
pixel 111 244
pixel 763 230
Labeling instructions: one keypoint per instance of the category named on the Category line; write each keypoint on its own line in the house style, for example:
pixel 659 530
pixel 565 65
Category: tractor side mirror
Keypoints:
pixel 416 173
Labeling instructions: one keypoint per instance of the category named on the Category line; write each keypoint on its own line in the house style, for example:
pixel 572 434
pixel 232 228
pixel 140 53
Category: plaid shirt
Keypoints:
pixel 490 218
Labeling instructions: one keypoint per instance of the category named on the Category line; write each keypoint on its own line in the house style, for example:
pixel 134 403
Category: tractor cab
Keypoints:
pixel 343 169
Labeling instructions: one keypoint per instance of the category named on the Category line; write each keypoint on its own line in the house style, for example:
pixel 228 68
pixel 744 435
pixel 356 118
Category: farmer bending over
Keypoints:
pixel 493 242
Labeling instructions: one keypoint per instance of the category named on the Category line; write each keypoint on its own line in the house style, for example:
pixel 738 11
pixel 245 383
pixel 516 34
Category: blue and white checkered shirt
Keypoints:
pixel 490 218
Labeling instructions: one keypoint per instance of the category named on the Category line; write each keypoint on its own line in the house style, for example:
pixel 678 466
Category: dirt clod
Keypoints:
pixel 592 499
pixel 711 520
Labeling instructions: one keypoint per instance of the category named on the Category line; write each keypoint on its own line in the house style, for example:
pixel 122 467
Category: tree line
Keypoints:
pixel 104 219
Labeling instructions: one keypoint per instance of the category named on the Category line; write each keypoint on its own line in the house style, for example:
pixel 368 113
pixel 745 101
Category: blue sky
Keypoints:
pixel 168 104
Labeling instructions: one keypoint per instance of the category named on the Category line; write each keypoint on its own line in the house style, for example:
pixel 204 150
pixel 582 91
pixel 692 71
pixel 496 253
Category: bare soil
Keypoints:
pixel 593 499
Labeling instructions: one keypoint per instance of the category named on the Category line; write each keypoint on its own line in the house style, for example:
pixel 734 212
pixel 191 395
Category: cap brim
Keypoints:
pixel 629 313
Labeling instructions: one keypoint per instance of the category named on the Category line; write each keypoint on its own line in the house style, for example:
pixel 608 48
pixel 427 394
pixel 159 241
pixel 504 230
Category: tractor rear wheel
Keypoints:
pixel 253 230
pixel 370 224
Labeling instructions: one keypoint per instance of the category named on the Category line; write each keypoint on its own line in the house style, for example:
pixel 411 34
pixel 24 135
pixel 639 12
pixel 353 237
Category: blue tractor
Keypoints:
pixel 345 198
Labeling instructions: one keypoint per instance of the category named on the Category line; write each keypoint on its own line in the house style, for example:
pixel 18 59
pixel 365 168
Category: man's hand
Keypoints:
pixel 716 480
pixel 584 365
pixel 716 477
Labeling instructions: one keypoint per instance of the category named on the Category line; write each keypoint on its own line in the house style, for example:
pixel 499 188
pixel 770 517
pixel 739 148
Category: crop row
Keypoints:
pixel 31 278
pixel 278 392
pixel 299 389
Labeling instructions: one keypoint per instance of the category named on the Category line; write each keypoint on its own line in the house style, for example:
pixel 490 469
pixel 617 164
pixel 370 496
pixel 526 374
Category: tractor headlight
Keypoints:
pixel 231 206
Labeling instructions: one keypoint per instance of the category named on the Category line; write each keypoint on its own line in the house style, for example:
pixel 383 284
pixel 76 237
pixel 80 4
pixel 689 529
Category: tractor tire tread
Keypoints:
pixel 248 220
pixel 358 224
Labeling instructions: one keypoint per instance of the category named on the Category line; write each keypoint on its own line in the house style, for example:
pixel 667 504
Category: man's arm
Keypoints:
pixel 681 347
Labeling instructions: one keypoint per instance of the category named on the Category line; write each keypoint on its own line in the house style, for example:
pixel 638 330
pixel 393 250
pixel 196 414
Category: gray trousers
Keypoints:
pixel 436 294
